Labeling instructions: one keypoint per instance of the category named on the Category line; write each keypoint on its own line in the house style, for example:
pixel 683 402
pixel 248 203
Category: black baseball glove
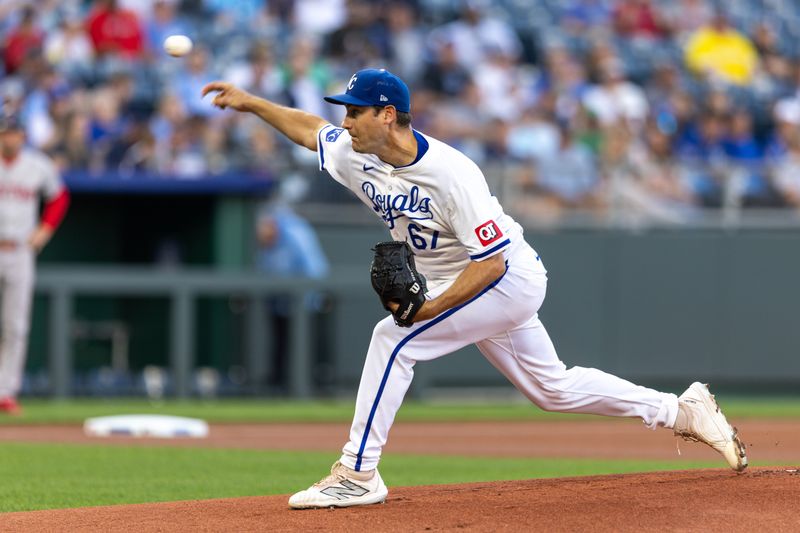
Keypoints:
pixel 395 279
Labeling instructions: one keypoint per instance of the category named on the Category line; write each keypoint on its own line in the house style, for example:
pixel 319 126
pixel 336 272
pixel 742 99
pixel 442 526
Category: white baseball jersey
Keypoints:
pixel 440 203
pixel 22 181
pixel 442 206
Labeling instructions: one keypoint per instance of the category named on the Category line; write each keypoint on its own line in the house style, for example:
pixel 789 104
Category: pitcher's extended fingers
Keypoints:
pixel 215 86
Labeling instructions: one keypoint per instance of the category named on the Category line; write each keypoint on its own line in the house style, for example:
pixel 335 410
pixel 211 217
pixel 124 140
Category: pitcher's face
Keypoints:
pixel 366 127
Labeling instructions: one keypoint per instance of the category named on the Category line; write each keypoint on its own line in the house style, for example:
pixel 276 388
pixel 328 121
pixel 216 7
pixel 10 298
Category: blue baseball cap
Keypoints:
pixel 372 86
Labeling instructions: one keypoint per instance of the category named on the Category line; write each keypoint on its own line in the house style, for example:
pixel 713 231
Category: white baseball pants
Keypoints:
pixel 503 321
pixel 16 293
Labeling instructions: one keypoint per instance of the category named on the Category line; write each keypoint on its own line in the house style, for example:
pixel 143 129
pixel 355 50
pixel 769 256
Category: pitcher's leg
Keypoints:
pixel 392 353
pixel 526 355
pixel 384 382
pixel 387 374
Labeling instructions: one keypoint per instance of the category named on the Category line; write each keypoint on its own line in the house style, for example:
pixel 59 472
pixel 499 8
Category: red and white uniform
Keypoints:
pixel 24 181
pixel 442 206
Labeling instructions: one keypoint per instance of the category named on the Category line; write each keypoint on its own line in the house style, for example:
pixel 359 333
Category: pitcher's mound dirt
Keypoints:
pixel 763 499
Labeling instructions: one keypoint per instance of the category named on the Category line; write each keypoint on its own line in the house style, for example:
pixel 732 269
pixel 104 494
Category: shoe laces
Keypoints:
pixel 690 435
pixel 687 435
pixel 337 474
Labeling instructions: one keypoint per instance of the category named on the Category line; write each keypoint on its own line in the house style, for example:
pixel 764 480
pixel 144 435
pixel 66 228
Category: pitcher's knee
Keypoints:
pixel 554 400
pixel 554 392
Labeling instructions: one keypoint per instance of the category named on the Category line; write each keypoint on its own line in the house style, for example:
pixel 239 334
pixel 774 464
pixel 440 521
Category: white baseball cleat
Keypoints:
pixel 344 487
pixel 701 420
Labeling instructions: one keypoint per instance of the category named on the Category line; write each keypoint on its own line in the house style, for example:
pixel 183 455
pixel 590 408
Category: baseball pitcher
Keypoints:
pixel 457 272
pixel 26 176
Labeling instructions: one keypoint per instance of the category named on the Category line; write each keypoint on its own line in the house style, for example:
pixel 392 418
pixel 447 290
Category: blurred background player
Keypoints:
pixel 25 176
pixel 288 247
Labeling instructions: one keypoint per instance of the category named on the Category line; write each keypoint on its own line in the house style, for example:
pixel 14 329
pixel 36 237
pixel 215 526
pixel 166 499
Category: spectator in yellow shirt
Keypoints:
pixel 719 51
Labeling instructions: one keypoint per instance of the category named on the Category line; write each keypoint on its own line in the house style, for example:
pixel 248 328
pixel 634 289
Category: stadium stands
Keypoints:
pixel 669 125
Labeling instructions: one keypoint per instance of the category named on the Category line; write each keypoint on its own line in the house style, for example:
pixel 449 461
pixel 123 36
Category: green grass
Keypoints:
pixel 39 411
pixel 49 476
pixel 46 476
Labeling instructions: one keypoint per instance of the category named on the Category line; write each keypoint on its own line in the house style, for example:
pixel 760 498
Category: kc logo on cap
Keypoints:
pixel 375 87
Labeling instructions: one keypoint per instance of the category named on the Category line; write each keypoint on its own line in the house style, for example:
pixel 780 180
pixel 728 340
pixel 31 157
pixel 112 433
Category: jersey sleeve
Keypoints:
pixel 475 216
pixel 334 147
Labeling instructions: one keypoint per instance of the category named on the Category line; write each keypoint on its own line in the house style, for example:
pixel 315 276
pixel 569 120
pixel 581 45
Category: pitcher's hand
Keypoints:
pixel 228 95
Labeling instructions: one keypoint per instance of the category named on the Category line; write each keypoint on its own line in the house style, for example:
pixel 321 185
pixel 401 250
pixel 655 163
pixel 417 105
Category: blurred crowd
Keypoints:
pixel 653 108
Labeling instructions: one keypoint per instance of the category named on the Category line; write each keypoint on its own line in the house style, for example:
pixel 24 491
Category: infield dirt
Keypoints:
pixel 760 499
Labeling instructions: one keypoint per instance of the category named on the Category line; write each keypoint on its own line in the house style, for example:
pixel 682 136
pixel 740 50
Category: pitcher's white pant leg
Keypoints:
pixel 393 351
pixel 502 321
pixel 527 357
pixel 17 270
pixel 385 379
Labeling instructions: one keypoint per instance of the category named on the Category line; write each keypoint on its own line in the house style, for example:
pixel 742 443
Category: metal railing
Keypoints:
pixel 62 284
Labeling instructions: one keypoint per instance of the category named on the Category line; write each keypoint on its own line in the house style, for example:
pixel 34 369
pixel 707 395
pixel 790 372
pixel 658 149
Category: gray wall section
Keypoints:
pixel 660 307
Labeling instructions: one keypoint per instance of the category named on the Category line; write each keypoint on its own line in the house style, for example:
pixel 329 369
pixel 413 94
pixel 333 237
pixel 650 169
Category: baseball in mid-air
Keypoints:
pixel 177 45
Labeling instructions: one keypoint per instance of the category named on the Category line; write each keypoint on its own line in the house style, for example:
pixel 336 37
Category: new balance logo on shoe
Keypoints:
pixel 342 488
pixel 347 489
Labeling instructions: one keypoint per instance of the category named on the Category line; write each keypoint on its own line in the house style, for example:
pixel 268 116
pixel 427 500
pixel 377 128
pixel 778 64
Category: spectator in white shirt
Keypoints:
pixel 616 99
